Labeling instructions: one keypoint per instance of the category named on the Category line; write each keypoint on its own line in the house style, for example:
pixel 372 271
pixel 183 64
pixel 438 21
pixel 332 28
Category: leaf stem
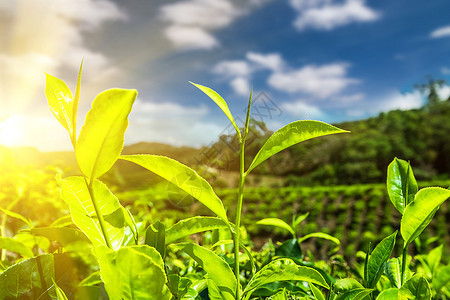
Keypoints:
pixel 238 219
pixel 405 249
pixel 98 213
pixel 242 176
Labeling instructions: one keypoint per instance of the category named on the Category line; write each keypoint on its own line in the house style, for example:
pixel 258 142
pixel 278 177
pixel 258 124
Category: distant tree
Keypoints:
pixel 431 89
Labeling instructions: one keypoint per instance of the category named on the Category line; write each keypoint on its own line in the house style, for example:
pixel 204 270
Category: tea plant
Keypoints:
pixel 142 262
pixel 112 230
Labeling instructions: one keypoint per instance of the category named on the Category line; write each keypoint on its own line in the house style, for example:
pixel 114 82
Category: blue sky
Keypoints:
pixel 312 59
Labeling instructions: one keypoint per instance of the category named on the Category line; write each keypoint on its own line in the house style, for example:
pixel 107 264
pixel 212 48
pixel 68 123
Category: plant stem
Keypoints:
pixel 403 264
pixel 238 219
pixel 242 175
pixel 98 213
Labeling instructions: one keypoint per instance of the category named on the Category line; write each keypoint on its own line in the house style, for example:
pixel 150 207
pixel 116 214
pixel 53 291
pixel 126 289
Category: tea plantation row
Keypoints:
pixel 356 215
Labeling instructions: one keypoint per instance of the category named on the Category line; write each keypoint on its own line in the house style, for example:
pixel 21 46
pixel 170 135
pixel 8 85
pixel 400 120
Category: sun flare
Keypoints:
pixel 10 132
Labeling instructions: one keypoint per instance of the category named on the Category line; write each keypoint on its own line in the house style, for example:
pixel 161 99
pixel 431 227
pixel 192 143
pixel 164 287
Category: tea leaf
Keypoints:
pixel 418 214
pixel 10 244
pixel 18 216
pixel 132 272
pixel 59 292
pixel 290 249
pixel 277 223
pixel 155 236
pixel 316 292
pixel 292 134
pixel 193 225
pixel 417 287
pixel 393 271
pixel 389 294
pixel 76 100
pixel 75 192
pixel 350 289
pixel 218 270
pixel 442 278
pixel 321 235
pixel 63 235
pixel 182 176
pixel 281 295
pixel 221 103
pixel 281 270
pixel 60 101
pixel 24 279
pixel 401 184
pixel 434 259
pixel 378 259
pixel 102 135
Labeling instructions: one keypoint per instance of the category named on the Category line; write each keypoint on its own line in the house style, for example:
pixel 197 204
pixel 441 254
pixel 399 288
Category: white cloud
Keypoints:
pixel 193 20
pixel 272 61
pixel 302 110
pixel 441 32
pixel 445 71
pixel 397 100
pixel 346 99
pixel 443 92
pixel 327 15
pixel 319 81
pixel 190 37
pixel 231 68
pixel 171 123
pixel 143 110
pixel 241 86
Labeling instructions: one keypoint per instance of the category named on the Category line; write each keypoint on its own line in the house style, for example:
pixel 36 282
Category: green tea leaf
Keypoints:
pixel 378 259
pixel 91 280
pixel 347 284
pixel 76 100
pixel 281 270
pixel 132 272
pixel 281 295
pixel 277 223
pixel 75 192
pixel 416 287
pixel 182 176
pixel 418 214
pixel 10 244
pixel 60 101
pixel 442 278
pixel 290 249
pixel 316 292
pixel 221 103
pixel 63 235
pixel 60 295
pixel 23 280
pixel 17 216
pixel 102 135
pixel 393 271
pixel 155 236
pixel 292 134
pixel 297 220
pixel 389 294
pixel 321 235
pixel 350 289
pixel 193 225
pixel 218 270
pixel 434 259
pixel 178 285
pixel 401 184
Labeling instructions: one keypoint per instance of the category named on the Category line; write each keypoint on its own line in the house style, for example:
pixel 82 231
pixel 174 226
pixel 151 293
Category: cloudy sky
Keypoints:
pixel 330 60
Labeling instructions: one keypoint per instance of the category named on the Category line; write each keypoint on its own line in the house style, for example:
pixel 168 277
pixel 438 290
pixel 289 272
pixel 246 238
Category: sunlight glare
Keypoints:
pixel 10 132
